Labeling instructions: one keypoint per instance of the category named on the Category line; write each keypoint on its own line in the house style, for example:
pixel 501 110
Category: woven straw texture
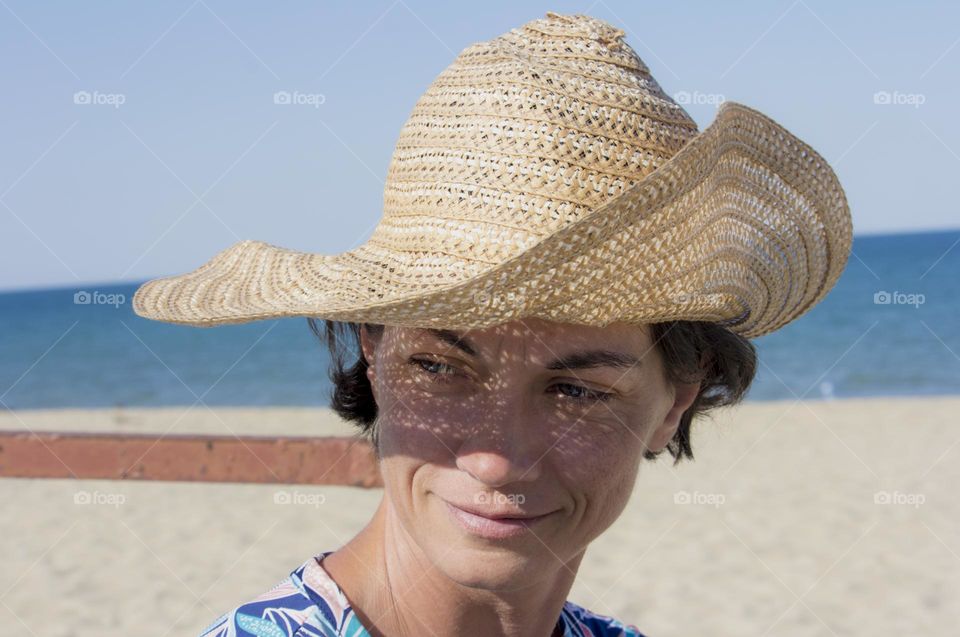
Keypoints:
pixel 545 173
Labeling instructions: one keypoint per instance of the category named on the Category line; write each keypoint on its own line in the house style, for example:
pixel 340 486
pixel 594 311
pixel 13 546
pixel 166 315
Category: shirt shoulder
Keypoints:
pixel 580 621
pixel 309 603
pixel 305 604
pixel 279 612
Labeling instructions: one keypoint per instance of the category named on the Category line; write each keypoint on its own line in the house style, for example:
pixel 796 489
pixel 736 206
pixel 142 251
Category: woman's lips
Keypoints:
pixel 491 528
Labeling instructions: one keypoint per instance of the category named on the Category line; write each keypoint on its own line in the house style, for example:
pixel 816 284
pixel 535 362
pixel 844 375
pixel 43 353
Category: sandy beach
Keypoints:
pixel 795 519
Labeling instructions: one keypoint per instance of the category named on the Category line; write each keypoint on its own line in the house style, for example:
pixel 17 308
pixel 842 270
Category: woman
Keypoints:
pixel 566 273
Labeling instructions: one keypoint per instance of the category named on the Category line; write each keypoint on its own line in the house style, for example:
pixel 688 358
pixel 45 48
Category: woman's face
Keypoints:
pixel 529 418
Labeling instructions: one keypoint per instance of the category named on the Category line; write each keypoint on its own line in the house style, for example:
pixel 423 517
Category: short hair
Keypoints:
pixel 722 361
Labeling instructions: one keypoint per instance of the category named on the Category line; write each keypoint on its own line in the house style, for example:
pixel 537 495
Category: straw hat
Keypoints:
pixel 545 173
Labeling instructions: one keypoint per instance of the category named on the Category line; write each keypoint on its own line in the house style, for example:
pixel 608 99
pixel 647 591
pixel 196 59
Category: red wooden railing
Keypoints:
pixel 256 459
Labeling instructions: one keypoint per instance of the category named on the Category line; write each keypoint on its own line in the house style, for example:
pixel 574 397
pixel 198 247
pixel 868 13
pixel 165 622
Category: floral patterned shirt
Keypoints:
pixel 309 603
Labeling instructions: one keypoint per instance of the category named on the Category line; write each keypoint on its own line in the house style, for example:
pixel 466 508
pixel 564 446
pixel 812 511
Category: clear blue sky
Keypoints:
pixel 199 156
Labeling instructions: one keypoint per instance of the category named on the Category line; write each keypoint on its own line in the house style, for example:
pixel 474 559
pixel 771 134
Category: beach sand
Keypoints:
pixel 796 518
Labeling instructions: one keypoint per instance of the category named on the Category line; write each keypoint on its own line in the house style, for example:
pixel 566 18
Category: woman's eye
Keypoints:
pixel 441 371
pixel 582 395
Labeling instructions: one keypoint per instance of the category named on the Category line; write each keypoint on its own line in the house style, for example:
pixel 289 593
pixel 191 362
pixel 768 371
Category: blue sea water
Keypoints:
pixel 891 326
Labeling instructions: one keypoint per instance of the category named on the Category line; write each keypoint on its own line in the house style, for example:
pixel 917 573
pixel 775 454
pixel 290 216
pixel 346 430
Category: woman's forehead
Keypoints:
pixel 534 337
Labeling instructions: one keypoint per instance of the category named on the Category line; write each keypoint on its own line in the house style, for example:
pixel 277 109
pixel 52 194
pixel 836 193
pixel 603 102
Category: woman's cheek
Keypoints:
pixel 404 434
pixel 592 446
pixel 422 427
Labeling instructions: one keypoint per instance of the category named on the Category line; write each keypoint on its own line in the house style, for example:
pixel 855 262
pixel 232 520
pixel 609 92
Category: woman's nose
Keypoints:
pixel 503 446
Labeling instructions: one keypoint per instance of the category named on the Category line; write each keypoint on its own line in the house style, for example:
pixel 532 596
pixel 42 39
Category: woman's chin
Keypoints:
pixel 485 569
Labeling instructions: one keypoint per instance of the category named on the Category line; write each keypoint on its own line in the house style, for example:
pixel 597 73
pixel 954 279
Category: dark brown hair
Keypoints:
pixel 693 351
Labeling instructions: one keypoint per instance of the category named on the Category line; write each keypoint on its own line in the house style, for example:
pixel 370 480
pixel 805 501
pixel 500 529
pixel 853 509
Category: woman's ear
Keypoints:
pixel 684 395
pixel 368 345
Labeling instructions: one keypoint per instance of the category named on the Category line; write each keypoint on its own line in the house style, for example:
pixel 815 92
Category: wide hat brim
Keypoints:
pixel 745 225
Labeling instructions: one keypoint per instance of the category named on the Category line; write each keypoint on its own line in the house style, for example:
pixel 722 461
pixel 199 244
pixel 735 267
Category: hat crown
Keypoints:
pixel 524 134
pixel 604 38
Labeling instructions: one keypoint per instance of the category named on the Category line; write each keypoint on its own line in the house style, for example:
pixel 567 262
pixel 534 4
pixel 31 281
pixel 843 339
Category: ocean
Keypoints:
pixel 890 327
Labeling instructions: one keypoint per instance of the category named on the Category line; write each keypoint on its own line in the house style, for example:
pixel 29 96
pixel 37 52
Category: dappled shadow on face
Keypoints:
pixel 546 413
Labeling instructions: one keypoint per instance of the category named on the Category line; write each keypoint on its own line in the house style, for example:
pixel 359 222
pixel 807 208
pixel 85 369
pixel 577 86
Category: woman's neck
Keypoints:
pixel 395 590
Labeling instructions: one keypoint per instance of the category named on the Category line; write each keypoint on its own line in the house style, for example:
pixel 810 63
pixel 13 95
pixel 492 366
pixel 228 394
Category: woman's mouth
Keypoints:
pixel 495 527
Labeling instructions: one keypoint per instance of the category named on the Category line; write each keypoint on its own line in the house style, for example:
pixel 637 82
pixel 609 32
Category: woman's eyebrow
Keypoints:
pixel 595 358
pixel 452 338
pixel 575 360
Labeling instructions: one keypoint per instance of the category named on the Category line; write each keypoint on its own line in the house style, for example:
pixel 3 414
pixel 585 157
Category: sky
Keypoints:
pixel 139 139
